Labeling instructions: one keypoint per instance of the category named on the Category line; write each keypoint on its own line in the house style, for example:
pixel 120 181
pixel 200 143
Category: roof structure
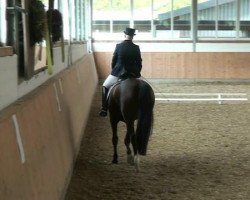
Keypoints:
pixel 187 10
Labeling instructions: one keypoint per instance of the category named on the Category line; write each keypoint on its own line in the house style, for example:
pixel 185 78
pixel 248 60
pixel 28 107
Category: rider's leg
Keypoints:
pixel 105 87
pixel 104 108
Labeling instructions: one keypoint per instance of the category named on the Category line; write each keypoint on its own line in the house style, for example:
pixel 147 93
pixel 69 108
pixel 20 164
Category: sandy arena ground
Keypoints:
pixel 198 151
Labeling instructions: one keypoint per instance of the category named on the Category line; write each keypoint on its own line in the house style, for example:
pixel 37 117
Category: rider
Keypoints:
pixel 126 61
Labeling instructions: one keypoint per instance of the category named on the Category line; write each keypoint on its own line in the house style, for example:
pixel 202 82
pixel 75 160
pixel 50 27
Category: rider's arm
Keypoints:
pixel 114 59
pixel 139 59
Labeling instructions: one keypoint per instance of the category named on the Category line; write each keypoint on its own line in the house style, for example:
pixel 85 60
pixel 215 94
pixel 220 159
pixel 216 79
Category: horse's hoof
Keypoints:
pixel 137 169
pixel 130 160
pixel 137 161
pixel 103 113
pixel 115 161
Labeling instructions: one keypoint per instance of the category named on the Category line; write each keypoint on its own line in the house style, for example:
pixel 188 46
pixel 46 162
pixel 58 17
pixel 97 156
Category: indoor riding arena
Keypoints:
pixel 198 150
pixel 54 58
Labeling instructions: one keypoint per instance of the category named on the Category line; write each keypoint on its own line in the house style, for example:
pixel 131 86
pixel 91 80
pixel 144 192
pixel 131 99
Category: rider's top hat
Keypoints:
pixel 130 31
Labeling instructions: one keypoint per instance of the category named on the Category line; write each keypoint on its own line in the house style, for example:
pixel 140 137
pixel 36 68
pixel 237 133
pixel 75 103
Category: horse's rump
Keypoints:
pixel 134 99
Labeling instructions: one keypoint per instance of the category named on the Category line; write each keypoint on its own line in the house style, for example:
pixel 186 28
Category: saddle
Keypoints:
pixel 122 77
pixel 111 88
pixel 127 75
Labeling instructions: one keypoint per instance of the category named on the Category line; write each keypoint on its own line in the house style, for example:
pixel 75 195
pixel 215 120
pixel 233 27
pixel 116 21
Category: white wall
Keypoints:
pixel 8 80
pixel 11 90
pixel 177 47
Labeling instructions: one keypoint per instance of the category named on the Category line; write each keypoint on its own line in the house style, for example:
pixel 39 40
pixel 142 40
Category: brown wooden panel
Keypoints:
pixel 103 63
pixel 51 138
pixel 179 65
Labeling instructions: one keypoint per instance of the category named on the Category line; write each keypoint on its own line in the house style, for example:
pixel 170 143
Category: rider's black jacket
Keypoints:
pixel 126 59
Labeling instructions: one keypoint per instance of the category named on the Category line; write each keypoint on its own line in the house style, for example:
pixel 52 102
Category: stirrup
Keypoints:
pixel 103 113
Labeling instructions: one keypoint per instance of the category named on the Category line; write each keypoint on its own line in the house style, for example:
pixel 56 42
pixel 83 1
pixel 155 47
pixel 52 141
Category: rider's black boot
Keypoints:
pixel 104 109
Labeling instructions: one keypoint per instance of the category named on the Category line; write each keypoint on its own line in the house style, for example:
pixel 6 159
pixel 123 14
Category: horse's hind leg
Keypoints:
pixel 114 141
pixel 131 132
pixel 130 158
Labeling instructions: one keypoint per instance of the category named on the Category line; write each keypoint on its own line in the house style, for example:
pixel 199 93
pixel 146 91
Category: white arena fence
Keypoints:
pixel 203 97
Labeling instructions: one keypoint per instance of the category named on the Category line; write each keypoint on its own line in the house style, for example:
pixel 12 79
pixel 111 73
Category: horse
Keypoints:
pixel 130 100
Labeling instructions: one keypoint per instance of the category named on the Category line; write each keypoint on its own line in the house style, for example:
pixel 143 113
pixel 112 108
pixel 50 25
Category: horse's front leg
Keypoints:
pixel 114 141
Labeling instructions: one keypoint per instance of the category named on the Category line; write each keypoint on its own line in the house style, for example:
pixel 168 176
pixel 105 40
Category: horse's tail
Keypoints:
pixel 145 118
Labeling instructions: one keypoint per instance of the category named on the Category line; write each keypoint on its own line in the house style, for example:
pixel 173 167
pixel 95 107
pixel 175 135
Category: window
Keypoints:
pixel 223 19
pixel 162 19
pixel 73 14
pixel 63 7
pixel 120 8
pixel 101 17
pixel 175 19
pixel 14 31
pixel 73 19
pixel 244 19
pixel 2 23
pixel 226 13
pixel 182 19
pixel 78 29
pixel 207 19
pixel 171 19
pixel 142 16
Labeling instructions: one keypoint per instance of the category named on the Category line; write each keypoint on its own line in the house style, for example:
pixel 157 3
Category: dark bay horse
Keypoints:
pixel 130 100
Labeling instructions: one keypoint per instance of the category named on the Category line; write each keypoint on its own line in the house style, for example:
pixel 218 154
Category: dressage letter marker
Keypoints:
pixel 60 85
pixel 19 139
pixel 57 98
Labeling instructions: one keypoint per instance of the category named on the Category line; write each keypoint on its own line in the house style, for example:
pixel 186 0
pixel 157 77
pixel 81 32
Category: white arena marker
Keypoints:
pixel 19 139
pixel 219 97
pixel 57 98
pixel 60 85
pixel 196 99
